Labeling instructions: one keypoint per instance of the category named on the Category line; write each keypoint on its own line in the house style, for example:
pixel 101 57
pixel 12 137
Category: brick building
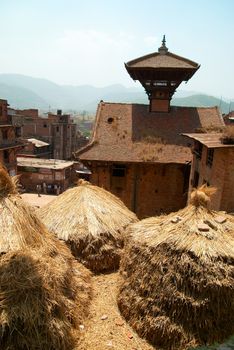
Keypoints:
pixel 213 164
pixel 137 151
pixel 50 174
pixel 58 130
pixel 9 143
pixel 35 148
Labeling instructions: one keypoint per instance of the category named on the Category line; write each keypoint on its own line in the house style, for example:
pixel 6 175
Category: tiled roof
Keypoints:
pixel 130 133
pixel 157 60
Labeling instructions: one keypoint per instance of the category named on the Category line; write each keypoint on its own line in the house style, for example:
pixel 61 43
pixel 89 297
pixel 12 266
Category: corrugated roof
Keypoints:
pixel 130 133
pixel 38 143
pixel 211 140
pixel 43 163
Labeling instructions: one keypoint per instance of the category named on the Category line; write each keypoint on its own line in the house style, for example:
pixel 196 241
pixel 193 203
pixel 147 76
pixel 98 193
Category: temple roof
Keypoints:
pixel 157 60
pixel 162 61
pixel 130 133
pixel 161 70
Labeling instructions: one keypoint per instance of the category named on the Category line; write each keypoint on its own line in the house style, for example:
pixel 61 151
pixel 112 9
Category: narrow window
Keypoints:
pixel 198 150
pixel 6 156
pixel 18 131
pixel 4 134
pixel 195 178
pixel 210 156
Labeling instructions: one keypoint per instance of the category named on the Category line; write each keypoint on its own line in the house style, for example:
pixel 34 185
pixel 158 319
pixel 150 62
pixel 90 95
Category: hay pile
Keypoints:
pixel 92 222
pixel 178 276
pixel 44 292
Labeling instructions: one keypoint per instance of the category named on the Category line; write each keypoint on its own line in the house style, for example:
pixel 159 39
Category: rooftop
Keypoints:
pixel 211 140
pixel 161 65
pixel 43 163
pixel 38 143
pixel 130 133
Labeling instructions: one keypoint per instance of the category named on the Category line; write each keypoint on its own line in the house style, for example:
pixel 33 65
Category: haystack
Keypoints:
pixel 44 292
pixel 91 221
pixel 178 276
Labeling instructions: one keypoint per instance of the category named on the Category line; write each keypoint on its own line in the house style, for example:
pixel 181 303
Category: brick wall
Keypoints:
pixel 219 175
pixel 30 179
pixel 145 189
pixel 28 112
pixel 3 111
pixel 61 134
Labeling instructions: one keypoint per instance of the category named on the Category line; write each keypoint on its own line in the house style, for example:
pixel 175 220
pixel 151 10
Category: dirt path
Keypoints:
pixel 106 329
pixel 35 201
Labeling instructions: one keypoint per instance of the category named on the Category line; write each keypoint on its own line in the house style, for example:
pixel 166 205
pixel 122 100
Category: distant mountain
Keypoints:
pixel 201 100
pixel 19 97
pixel 24 92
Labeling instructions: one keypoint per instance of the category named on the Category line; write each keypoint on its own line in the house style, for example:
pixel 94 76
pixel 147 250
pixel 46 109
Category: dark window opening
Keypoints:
pixel 57 128
pixel 198 150
pixel 67 173
pixel 118 170
pixel 0 110
pixel 110 120
pixel 195 178
pixel 186 173
pixel 6 156
pixel 206 183
pixel 45 125
pixel 210 157
pixel 4 134
pixel 18 131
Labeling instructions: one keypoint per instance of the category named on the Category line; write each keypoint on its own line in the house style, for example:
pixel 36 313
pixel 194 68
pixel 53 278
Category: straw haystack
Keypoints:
pixel 44 292
pixel 91 221
pixel 178 276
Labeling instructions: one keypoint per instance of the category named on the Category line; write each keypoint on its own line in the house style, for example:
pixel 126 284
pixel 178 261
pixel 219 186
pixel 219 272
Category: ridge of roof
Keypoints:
pixel 144 104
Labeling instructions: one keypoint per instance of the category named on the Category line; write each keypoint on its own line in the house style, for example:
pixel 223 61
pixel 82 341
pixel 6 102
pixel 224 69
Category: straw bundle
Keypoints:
pixel 44 292
pixel 178 276
pixel 91 221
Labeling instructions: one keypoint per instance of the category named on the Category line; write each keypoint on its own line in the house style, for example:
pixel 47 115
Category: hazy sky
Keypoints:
pixel 87 41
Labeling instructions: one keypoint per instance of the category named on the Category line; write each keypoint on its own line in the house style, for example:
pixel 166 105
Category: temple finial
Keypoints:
pixel 163 49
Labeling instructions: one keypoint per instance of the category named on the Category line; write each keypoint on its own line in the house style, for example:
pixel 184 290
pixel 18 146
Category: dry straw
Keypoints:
pixel 91 221
pixel 44 292
pixel 178 276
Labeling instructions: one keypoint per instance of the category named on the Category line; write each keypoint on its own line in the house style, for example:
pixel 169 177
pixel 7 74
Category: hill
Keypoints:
pixel 19 97
pixel 201 100
pixel 25 92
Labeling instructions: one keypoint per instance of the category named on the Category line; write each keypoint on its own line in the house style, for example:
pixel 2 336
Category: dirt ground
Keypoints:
pixel 106 329
pixel 35 201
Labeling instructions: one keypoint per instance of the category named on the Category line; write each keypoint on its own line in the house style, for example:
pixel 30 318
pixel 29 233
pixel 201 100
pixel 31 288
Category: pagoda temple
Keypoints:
pixel 136 150
pixel 160 73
